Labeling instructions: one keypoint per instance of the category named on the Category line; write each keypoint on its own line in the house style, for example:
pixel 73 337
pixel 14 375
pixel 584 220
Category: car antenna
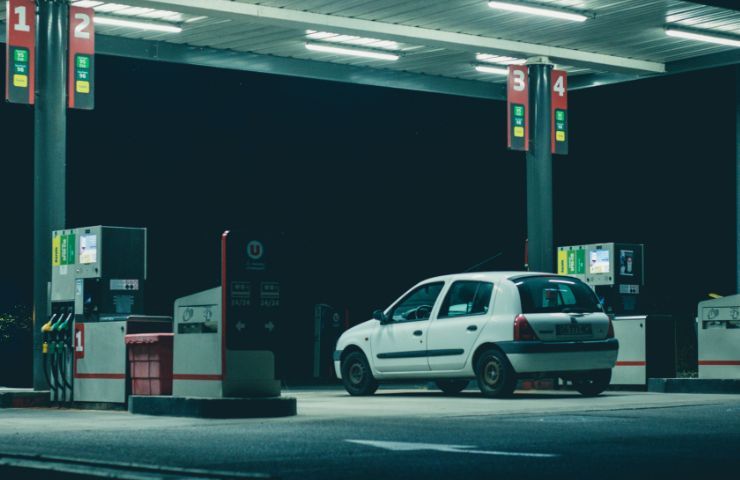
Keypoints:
pixel 489 259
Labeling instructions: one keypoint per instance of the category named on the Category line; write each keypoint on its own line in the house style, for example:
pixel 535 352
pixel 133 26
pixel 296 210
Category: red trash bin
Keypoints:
pixel 150 359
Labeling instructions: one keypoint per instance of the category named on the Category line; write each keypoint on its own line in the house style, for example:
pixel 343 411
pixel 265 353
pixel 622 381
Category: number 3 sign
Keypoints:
pixel 517 100
pixel 81 66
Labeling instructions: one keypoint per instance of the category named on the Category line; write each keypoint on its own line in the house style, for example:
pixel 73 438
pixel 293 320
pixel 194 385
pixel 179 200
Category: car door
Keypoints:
pixel 400 344
pixel 458 323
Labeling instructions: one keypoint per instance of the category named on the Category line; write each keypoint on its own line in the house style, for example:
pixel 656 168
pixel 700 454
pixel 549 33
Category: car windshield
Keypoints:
pixel 556 294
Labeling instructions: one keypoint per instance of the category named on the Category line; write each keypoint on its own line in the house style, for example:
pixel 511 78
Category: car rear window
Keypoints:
pixel 556 294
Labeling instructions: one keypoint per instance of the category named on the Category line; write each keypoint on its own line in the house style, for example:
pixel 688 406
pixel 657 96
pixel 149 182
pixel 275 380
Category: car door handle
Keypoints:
pixel 418 333
pixel 472 328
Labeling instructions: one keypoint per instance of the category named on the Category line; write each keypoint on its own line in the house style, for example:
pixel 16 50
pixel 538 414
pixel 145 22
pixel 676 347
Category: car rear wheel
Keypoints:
pixel 594 383
pixel 356 375
pixel 452 387
pixel 495 376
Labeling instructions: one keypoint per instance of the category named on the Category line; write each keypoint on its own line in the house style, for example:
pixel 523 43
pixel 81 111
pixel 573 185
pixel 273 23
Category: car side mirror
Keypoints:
pixel 381 317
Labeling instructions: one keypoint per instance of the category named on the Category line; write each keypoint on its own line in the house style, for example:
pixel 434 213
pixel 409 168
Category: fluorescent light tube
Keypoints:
pixel 702 37
pixel 543 12
pixel 119 22
pixel 494 70
pixel 351 51
pixel 499 59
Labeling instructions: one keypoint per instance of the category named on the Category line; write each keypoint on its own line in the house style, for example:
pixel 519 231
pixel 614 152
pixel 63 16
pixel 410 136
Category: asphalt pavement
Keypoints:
pixel 415 434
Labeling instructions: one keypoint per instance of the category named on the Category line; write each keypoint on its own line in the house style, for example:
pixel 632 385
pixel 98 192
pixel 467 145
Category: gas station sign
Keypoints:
pixel 20 51
pixel 559 116
pixel 517 102
pixel 81 66
pixel 252 295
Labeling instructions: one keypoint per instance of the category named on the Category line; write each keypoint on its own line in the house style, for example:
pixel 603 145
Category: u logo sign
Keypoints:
pixel 255 250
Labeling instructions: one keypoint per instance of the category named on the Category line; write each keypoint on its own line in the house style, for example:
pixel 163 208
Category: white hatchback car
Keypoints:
pixel 496 327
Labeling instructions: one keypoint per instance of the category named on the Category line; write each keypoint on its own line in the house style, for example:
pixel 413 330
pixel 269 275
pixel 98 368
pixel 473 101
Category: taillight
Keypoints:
pixel 610 332
pixel 522 329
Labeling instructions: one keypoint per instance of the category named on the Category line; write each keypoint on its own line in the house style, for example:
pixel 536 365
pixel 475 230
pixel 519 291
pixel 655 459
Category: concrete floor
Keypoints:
pixel 414 433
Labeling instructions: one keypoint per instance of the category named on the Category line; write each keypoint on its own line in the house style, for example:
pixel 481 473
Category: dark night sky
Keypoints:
pixel 379 188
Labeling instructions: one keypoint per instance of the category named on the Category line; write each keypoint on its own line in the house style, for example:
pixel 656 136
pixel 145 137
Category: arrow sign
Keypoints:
pixel 270 326
pixel 437 447
pixel 240 326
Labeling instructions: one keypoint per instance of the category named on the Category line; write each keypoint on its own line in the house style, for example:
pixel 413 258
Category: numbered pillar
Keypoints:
pixel 539 169
pixel 50 148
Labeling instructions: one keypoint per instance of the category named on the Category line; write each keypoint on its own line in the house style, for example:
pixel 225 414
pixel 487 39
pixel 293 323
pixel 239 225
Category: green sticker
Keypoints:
pixel 83 61
pixel 64 250
pixel 21 55
pixel 518 111
pixel 71 249
pixel 82 75
pixel 559 115
pixel 581 262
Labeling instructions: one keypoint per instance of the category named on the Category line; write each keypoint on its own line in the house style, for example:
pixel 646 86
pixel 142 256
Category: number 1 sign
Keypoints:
pixel 517 100
pixel 20 51
pixel 81 66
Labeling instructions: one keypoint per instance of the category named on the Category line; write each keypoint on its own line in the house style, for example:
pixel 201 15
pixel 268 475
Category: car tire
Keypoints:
pixel 496 377
pixel 452 386
pixel 594 383
pixel 356 375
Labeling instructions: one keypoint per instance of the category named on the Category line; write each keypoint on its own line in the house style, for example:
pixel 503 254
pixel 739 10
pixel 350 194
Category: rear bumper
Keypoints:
pixel 535 356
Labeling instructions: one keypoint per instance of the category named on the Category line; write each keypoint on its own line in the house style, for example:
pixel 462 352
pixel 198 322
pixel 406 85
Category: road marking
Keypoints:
pixel 409 447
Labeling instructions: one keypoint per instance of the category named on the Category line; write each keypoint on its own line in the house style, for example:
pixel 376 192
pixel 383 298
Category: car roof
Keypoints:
pixel 486 276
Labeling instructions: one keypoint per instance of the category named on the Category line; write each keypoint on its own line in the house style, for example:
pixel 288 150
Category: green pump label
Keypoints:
pixel 63 250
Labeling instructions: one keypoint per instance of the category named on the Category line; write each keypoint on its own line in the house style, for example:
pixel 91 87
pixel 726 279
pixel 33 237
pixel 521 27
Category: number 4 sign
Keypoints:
pixel 559 115
pixel 20 51
pixel 81 66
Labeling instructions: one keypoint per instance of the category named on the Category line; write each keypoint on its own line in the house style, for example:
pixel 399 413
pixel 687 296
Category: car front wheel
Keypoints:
pixel 495 376
pixel 593 383
pixel 356 375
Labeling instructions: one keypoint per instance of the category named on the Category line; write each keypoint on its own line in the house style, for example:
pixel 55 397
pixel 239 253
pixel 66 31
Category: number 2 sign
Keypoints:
pixel 81 66
pixel 20 51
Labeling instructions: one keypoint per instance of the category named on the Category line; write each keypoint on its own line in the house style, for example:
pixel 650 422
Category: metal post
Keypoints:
pixel 539 169
pixel 737 177
pixel 50 150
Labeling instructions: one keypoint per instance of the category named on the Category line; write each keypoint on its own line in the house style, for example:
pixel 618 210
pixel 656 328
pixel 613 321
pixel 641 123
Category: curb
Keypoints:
pixel 693 385
pixel 24 398
pixel 213 407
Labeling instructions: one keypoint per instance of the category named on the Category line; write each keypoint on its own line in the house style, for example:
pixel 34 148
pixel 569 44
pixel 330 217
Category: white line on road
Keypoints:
pixel 409 447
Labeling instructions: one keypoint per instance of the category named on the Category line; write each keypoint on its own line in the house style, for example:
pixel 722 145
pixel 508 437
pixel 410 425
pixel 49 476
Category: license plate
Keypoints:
pixel 573 329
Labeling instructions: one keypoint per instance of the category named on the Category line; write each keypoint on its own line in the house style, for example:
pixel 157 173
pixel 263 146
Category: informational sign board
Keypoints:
pixel 20 51
pixel 572 260
pixel 81 62
pixel 604 264
pixel 559 107
pixel 251 286
pixel 63 250
pixel 517 103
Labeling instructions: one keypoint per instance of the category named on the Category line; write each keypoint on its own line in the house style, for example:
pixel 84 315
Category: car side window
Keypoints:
pixel 467 297
pixel 418 304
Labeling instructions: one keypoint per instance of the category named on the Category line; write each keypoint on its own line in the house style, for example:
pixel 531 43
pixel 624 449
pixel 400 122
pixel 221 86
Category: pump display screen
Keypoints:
pixel 599 261
pixel 88 248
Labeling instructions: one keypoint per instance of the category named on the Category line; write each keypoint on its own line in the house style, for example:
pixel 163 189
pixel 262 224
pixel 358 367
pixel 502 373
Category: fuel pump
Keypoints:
pixel 97 296
pixel 616 272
